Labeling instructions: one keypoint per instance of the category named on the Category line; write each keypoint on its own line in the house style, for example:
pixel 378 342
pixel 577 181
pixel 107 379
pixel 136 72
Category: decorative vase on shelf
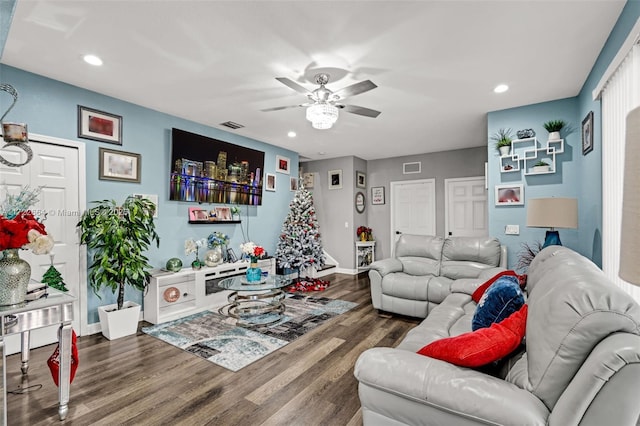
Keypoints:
pixel 554 136
pixel 254 274
pixel 363 236
pixel 14 278
pixel 213 257
pixel 196 264
pixel 505 150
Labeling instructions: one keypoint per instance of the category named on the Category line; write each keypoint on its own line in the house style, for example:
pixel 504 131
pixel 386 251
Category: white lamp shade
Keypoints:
pixel 552 213
pixel 630 230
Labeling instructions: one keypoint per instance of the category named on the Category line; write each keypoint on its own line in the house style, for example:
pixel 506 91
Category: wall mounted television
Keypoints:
pixel 207 170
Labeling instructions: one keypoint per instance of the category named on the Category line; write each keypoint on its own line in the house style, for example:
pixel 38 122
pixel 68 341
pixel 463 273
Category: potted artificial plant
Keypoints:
pixel 117 237
pixel 503 139
pixel 541 167
pixel 554 127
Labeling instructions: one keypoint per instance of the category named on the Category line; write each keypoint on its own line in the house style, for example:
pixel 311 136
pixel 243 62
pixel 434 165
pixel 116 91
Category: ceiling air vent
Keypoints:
pixel 232 125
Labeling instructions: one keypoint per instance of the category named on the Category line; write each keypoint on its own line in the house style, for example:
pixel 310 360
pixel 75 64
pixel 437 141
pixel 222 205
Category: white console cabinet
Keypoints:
pixel 173 295
pixel 365 254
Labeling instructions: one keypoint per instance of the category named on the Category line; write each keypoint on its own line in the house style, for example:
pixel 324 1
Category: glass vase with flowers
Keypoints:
pixel 255 252
pixel 216 242
pixel 19 229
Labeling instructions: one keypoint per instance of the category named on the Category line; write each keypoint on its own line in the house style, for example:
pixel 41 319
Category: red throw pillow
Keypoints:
pixel 477 295
pixel 483 346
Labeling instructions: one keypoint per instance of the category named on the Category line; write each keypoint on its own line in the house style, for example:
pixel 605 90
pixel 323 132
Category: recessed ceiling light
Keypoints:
pixel 92 60
pixel 292 134
pixel 321 153
pixel 501 88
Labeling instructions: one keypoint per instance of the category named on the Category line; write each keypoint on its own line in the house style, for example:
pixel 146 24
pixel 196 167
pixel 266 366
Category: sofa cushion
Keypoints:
pixel 467 257
pixel 406 286
pixel 503 298
pixel 481 347
pixel 480 290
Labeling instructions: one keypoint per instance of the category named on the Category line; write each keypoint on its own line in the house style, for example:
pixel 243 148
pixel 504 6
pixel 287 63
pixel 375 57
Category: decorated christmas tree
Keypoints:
pixel 299 245
pixel 53 278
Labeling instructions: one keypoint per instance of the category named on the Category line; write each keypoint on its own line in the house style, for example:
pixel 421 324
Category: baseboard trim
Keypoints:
pixel 346 271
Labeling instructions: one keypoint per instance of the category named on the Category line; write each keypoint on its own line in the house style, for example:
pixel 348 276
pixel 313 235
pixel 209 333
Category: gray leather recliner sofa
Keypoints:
pixel 424 269
pixel 581 365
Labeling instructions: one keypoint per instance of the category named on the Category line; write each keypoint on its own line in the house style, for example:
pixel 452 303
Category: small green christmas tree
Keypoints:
pixel 53 278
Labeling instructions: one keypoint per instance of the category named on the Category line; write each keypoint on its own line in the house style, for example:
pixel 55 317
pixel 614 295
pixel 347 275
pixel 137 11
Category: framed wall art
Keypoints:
pixel 270 179
pixel 377 195
pixel 307 180
pixel 509 195
pixel 587 134
pixel 283 164
pixel 151 197
pixel 361 180
pixel 99 125
pixel 360 202
pixel 293 184
pixel 119 165
pixel 335 179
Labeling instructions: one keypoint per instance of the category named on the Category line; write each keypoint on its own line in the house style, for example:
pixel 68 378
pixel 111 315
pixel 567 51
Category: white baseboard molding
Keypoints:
pixel 345 271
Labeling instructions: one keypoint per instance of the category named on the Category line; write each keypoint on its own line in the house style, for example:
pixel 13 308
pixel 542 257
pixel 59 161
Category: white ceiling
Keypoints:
pixel 435 62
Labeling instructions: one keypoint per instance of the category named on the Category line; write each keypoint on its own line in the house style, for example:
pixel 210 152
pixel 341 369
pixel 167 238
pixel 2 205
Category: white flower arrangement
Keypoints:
pixel 192 246
pixel 38 243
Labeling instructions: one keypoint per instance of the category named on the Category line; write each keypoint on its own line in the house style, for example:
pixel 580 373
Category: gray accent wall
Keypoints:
pixel 336 207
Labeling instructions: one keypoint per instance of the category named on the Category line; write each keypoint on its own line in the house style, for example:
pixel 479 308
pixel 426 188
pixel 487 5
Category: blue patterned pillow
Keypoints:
pixel 503 298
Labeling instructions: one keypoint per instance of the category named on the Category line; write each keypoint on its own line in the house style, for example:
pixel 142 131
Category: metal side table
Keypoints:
pixel 56 308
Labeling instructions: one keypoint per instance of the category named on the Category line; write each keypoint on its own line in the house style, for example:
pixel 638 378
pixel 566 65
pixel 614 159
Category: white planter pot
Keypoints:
pixel 119 323
pixel 554 136
pixel 504 150
pixel 540 169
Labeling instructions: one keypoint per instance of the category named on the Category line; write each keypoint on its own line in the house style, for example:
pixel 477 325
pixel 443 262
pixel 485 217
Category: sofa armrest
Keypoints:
pixel 386 266
pixel 450 388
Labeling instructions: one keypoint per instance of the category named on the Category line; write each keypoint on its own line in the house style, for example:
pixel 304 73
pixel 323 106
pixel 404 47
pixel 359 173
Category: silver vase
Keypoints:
pixel 14 278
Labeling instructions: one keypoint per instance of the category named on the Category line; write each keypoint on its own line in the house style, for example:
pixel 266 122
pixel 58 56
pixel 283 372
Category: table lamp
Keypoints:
pixel 552 213
pixel 630 230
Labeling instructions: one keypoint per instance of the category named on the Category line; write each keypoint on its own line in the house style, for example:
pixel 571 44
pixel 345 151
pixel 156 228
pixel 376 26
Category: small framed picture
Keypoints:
pixel 119 165
pixel 307 180
pixel 335 179
pixel 99 125
pixel 270 179
pixel 283 164
pixel 587 134
pixel 151 197
pixel 361 180
pixel 377 195
pixel 223 213
pixel 509 195
pixel 293 184
pixel 198 214
pixel 231 255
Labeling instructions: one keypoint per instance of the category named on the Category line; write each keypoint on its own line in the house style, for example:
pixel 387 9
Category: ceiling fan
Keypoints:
pixel 323 105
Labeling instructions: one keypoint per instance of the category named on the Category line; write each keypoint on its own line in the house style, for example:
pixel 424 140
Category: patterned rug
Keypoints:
pixel 216 337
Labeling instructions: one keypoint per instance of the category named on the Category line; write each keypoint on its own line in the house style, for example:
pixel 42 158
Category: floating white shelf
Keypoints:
pixel 525 153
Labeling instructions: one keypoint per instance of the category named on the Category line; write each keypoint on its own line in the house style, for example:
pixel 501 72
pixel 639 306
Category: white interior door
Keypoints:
pixel 466 207
pixel 55 168
pixel 413 208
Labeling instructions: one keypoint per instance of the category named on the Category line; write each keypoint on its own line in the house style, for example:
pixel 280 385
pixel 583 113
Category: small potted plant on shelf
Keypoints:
pixel 541 167
pixel 503 138
pixel 554 127
pixel 117 237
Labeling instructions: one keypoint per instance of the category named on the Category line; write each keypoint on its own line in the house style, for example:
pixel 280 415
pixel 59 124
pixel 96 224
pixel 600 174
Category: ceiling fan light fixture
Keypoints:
pixel 322 116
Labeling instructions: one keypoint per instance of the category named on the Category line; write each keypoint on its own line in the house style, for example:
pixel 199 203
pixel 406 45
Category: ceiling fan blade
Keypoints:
pixel 285 107
pixel 354 109
pixel 293 85
pixel 355 89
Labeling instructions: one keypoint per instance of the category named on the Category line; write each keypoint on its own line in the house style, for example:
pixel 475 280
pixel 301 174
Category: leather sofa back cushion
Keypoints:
pixel 572 307
pixel 481 347
pixel 467 257
pixel 426 246
pixel 419 265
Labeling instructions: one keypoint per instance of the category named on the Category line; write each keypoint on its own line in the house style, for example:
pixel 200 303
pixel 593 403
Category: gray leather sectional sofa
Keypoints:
pixel 581 365
pixel 424 270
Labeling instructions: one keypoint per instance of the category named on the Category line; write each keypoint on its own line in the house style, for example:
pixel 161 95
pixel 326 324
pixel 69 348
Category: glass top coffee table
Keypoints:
pixel 255 303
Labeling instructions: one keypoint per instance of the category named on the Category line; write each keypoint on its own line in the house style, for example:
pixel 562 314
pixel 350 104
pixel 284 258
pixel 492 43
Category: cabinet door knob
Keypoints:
pixel 185 294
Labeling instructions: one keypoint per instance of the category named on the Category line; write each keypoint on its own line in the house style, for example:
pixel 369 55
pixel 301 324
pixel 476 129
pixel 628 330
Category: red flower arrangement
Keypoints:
pixel 362 229
pixel 22 229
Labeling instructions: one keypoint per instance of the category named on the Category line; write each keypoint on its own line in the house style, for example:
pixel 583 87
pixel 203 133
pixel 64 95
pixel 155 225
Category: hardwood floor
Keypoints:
pixel 140 380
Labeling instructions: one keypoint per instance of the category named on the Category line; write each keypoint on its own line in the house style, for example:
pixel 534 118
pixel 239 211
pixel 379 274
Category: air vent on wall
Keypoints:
pixel 409 168
pixel 232 125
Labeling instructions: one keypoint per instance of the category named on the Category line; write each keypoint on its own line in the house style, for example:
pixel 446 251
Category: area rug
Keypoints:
pixel 216 337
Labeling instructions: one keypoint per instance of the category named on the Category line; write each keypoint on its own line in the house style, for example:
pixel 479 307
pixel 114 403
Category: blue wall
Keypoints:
pixel 578 176
pixel 563 183
pixel 50 108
